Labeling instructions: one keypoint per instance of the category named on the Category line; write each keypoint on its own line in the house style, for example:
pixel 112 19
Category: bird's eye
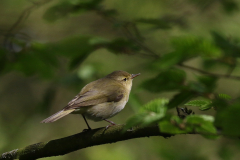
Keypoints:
pixel 125 79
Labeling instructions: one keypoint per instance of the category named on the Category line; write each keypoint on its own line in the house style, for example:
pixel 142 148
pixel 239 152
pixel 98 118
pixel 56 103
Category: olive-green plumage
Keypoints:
pixel 100 99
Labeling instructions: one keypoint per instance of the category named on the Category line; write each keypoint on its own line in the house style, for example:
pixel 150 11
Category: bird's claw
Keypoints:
pixel 110 125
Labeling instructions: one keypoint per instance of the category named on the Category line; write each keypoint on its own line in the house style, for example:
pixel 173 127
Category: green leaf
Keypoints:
pixel 224 96
pixel 227 119
pixel 230 5
pixel 72 47
pixel 143 119
pixel 66 8
pixel 152 118
pixel 220 103
pixel 176 119
pixel 204 84
pixel 190 47
pixel 181 98
pixel 169 80
pixel 166 61
pixel 58 11
pixel 186 48
pixel 209 82
pixel 194 119
pixel 121 45
pixel 229 47
pixel 76 48
pixel 197 103
pixel 167 127
pixel 135 120
pixel 35 61
pixel 202 104
pixel 149 113
pixel 209 63
pixel 157 106
pixel 203 124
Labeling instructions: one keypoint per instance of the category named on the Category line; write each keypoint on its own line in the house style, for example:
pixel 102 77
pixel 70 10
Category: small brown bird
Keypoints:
pixel 100 99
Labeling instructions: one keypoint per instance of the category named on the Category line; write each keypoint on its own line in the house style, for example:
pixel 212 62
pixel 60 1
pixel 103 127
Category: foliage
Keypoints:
pixel 149 113
pixel 42 59
pixel 189 66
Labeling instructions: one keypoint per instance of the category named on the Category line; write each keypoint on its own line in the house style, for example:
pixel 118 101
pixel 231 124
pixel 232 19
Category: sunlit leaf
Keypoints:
pixel 152 118
pixel 190 47
pixel 203 124
pixel 224 96
pixel 157 106
pixel 148 114
pixel 202 104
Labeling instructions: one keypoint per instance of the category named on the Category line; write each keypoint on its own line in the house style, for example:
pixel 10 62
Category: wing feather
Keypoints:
pixel 96 96
pixel 91 94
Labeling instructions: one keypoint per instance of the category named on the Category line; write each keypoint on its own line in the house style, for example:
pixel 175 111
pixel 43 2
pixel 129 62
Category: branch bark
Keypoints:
pixel 79 141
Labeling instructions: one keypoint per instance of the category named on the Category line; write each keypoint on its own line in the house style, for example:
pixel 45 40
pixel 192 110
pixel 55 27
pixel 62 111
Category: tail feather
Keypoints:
pixel 57 116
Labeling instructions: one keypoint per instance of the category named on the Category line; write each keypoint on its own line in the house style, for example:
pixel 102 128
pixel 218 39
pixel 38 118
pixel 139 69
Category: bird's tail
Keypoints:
pixel 57 116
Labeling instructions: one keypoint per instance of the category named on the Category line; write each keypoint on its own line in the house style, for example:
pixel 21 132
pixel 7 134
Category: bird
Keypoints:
pixel 99 100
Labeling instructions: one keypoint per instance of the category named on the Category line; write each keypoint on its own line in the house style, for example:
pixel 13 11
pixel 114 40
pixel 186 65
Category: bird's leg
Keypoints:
pixel 112 123
pixel 89 128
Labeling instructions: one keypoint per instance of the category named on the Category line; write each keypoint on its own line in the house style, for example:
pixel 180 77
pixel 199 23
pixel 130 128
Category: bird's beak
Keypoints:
pixel 135 75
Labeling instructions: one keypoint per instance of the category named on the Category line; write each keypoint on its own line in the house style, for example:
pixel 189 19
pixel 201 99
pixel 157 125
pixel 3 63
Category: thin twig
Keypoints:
pixel 128 33
pixel 141 44
pixel 23 16
pixel 208 73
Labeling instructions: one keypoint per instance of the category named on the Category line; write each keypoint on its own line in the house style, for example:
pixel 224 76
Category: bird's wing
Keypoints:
pixel 90 95
pixel 97 95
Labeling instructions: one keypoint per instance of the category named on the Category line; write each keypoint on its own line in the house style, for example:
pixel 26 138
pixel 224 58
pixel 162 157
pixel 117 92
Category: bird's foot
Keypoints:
pixel 110 125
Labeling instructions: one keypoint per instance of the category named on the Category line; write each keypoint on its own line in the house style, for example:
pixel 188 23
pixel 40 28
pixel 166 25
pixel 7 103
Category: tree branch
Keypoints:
pixel 208 73
pixel 79 141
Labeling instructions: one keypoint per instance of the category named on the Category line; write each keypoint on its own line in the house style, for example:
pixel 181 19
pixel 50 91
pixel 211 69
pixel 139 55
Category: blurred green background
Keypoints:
pixel 55 49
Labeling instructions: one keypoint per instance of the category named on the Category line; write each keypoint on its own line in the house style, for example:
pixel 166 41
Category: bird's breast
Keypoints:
pixel 103 111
